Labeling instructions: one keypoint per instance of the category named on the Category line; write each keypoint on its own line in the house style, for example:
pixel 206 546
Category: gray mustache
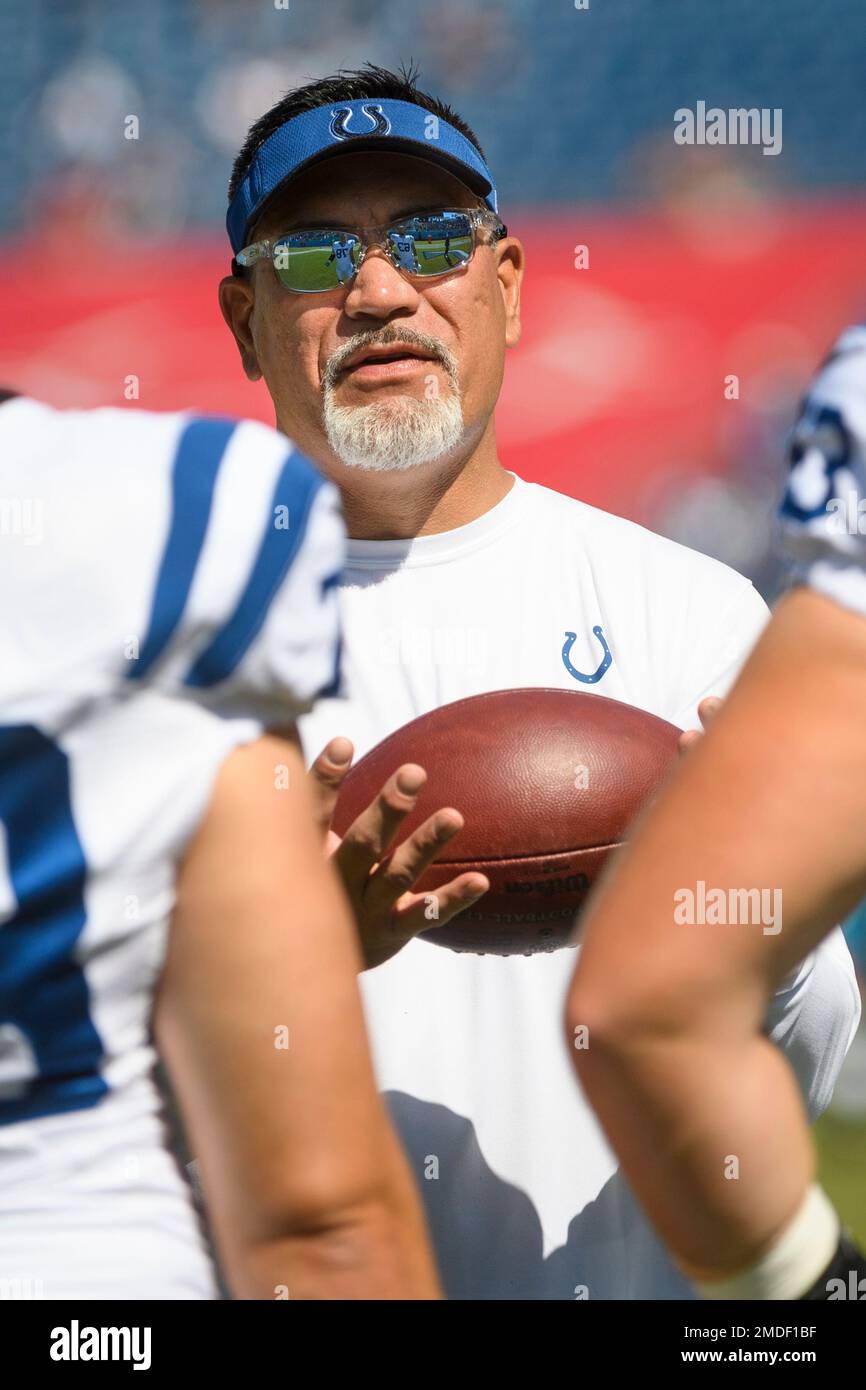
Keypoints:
pixel 383 337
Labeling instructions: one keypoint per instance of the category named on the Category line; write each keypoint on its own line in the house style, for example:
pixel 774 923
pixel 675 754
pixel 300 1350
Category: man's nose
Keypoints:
pixel 379 290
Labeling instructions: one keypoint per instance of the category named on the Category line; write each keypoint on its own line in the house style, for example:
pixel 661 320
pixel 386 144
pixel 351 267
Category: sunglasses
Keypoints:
pixel 423 246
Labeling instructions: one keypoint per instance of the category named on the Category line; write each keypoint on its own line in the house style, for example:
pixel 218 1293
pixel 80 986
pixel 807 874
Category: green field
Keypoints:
pixel 842 1153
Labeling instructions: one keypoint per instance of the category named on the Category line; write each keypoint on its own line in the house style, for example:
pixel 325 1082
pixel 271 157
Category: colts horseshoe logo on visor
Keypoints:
pixel 340 118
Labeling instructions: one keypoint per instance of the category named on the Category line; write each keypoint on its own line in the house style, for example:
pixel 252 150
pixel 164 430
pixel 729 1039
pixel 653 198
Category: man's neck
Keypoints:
pixel 424 500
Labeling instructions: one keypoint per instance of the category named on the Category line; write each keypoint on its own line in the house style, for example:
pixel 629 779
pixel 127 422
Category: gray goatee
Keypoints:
pixel 398 432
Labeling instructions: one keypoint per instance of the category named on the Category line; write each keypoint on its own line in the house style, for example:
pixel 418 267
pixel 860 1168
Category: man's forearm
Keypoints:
pixel 379 1251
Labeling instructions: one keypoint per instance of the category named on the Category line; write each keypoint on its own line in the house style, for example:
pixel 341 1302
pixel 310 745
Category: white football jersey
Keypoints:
pixel 522 1192
pixel 823 512
pixel 169 590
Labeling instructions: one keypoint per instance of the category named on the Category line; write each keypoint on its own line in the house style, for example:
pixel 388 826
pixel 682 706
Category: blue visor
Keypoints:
pixel 366 125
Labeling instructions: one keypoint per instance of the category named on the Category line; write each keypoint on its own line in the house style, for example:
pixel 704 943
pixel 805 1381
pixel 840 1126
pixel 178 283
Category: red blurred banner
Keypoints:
pixel 619 382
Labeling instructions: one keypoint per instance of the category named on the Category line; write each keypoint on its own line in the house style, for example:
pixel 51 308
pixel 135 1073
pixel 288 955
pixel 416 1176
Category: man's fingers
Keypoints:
pixel 367 839
pixel 327 774
pixel 708 709
pixel 333 763
pixel 426 911
pixel 689 739
pixel 401 871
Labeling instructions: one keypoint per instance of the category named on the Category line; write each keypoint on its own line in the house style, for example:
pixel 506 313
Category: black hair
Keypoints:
pixel 7 395
pixel 356 84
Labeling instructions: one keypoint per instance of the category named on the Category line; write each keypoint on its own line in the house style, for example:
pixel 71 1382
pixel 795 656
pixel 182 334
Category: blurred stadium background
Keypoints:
pixel 703 262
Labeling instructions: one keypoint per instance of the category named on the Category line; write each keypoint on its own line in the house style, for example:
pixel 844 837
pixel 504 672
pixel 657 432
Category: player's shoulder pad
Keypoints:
pixel 823 510
pixel 827 447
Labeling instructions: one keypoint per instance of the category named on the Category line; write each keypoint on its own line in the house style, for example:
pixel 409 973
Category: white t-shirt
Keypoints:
pixel 521 1190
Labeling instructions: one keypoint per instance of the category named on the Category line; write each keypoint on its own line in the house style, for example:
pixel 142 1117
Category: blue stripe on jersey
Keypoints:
pixel 43 990
pixel 332 688
pixel 196 465
pixel 295 491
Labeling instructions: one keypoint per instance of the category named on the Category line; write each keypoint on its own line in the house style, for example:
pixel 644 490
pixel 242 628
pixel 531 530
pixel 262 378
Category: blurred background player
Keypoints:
pixel 169 598
pixel 677 1066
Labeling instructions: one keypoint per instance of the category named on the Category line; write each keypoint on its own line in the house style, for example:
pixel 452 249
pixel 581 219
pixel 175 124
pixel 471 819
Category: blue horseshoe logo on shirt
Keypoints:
pixel 570 639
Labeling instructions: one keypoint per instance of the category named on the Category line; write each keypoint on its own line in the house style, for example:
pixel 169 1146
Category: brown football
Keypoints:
pixel 547 782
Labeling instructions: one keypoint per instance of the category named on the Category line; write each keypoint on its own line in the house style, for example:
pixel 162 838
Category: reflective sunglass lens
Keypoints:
pixel 313 261
pixel 433 245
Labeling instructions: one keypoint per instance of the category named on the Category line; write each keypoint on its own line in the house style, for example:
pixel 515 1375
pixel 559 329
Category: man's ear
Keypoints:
pixel 236 303
pixel 510 264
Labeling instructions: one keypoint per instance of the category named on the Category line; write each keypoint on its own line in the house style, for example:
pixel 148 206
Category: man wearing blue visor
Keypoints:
pixel 375 288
